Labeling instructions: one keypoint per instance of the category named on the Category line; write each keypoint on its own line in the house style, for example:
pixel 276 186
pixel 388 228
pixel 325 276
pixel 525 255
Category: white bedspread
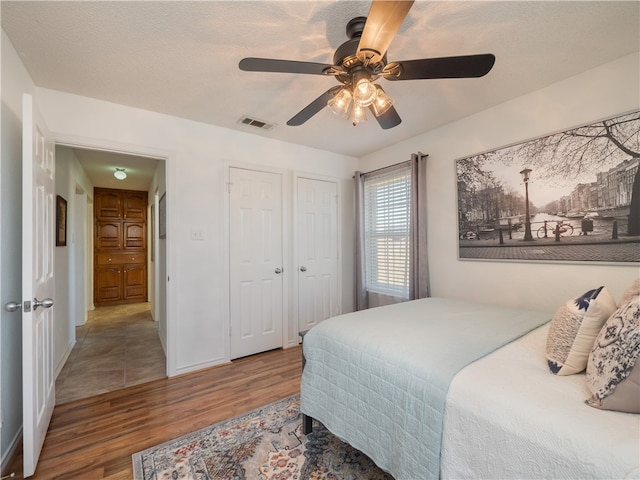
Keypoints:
pixel 379 378
pixel 508 417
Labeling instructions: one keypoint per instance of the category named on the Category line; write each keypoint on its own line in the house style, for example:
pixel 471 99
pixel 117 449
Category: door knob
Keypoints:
pixel 46 303
pixel 12 306
pixel 303 268
pixel 278 270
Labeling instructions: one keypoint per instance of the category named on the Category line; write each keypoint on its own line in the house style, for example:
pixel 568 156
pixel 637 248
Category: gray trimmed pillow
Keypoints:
pixel 613 371
pixel 574 328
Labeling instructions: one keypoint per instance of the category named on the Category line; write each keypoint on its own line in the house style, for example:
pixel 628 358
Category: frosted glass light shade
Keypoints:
pixel 120 174
pixel 340 102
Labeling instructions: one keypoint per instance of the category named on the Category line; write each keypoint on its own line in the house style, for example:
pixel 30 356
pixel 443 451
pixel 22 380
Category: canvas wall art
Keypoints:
pixel 572 196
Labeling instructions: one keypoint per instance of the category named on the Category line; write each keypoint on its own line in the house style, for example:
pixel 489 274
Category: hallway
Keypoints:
pixel 118 347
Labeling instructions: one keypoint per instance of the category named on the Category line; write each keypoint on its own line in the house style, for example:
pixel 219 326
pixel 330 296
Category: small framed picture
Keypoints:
pixel 61 222
pixel 162 216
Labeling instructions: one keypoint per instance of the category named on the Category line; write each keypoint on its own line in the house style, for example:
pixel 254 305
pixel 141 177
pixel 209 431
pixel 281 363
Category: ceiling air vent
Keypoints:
pixel 253 122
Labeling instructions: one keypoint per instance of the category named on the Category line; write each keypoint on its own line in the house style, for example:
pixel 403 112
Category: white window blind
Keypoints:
pixel 387 207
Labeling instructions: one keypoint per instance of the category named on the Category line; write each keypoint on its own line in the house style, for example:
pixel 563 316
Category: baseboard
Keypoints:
pixel 194 367
pixel 163 342
pixel 11 453
pixel 65 357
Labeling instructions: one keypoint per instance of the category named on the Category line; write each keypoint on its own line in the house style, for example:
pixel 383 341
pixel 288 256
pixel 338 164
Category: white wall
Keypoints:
pixel 69 177
pixel 157 269
pixel 63 333
pixel 604 92
pixel 196 155
pixel 15 81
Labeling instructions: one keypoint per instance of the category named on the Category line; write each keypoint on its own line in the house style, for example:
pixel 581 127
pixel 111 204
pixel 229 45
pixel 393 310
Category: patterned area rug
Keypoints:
pixel 264 444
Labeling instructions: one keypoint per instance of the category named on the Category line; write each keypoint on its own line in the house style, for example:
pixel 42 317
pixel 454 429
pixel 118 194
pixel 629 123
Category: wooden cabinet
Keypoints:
pixel 120 204
pixel 120 246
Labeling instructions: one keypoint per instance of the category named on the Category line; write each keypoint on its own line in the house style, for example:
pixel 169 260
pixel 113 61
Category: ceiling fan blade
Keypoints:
pixel 382 24
pixel 252 64
pixel 314 107
pixel 388 119
pixel 466 66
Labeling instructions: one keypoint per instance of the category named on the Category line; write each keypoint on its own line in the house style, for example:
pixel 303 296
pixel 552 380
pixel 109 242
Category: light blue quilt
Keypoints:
pixel 378 378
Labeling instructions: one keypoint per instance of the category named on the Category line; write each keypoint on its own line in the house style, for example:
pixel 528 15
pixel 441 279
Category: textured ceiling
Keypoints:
pixel 100 166
pixel 181 58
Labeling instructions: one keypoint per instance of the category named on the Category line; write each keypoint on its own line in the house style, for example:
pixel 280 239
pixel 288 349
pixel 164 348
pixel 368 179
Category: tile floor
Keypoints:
pixel 117 347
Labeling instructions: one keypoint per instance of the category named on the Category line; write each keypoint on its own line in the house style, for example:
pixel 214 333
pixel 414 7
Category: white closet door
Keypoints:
pixel 255 248
pixel 317 226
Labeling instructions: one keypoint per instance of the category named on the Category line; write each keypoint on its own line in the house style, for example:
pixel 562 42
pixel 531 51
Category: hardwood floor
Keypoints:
pixel 94 438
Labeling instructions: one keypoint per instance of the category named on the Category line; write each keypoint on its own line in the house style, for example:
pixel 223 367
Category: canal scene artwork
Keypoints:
pixel 572 196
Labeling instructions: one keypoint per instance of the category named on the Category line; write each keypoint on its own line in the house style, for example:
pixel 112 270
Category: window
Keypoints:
pixel 387 209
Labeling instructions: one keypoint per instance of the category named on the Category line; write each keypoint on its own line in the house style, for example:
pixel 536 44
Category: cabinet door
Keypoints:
pixel 135 282
pixel 134 235
pixel 108 235
pixel 108 204
pixel 135 205
pixel 107 284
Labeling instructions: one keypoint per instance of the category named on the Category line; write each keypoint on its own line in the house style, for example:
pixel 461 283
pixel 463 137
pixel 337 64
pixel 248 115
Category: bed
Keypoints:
pixel 444 388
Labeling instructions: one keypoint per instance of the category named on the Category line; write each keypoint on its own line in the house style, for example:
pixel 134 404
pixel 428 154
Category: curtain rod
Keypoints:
pixel 420 154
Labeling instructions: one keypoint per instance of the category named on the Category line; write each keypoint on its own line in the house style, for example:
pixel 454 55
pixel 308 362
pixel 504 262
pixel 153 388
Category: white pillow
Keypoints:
pixel 574 329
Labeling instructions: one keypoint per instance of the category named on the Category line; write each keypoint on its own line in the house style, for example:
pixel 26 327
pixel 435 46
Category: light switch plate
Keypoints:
pixel 197 234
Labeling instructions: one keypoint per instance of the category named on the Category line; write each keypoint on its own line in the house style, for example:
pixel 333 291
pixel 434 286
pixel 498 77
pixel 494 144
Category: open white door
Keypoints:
pixel 38 240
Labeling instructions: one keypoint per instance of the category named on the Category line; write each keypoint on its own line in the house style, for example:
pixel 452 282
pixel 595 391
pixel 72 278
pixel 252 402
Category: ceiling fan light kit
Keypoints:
pixel 362 59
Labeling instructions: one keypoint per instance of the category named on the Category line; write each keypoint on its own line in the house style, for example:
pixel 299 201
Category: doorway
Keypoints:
pixel 100 344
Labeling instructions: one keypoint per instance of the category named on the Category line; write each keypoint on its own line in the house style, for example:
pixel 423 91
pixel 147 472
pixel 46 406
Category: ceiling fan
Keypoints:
pixel 362 59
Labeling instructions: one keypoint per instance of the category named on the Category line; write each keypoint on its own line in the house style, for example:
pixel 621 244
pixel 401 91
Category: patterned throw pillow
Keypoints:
pixel 613 371
pixel 574 328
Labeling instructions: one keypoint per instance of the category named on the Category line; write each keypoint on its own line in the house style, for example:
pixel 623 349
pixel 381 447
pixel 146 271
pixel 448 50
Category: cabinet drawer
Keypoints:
pixel 120 258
